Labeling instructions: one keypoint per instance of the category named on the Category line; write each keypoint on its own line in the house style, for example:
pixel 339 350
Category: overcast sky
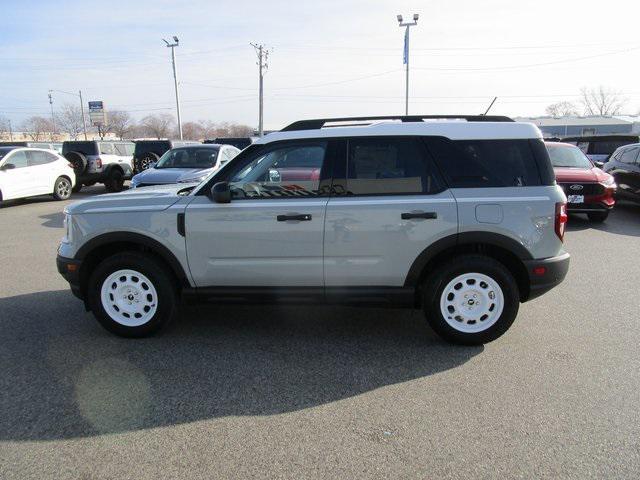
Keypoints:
pixel 328 58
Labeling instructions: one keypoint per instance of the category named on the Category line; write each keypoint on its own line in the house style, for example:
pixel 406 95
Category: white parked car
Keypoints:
pixel 26 172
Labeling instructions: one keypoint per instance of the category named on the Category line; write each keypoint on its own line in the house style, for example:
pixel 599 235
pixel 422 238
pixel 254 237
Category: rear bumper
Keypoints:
pixel 70 271
pixel 546 274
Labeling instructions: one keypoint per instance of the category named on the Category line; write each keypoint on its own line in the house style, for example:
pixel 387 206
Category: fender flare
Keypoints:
pixel 139 239
pixel 458 240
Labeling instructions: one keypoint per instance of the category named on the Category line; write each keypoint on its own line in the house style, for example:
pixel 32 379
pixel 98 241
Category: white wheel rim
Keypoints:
pixel 129 298
pixel 472 302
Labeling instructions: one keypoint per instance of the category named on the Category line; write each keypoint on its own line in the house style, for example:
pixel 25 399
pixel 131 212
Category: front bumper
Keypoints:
pixel 69 268
pixel 546 274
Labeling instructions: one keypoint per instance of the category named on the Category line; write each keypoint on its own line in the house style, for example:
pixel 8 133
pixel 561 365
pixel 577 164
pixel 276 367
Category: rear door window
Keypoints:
pixel 485 163
pixel 106 149
pixel 39 158
pixel 388 166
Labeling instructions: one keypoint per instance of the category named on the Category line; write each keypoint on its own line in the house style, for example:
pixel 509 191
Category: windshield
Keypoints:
pixel 566 156
pixel 188 158
pixel 4 151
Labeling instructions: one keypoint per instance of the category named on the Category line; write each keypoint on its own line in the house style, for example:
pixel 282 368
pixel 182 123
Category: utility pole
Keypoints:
pixel 407 26
pixel 84 122
pixel 79 95
pixel 53 119
pixel 263 57
pixel 10 132
pixel 172 46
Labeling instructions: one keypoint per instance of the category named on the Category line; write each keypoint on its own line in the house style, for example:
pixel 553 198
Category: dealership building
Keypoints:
pixel 584 126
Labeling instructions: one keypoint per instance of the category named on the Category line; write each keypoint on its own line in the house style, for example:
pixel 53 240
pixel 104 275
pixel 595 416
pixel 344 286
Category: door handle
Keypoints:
pixel 300 217
pixel 423 215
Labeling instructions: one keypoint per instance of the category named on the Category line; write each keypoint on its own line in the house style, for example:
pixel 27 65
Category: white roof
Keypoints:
pixel 455 130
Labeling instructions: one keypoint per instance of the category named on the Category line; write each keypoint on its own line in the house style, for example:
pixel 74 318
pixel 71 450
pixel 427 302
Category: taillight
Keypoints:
pixel 98 162
pixel 561 219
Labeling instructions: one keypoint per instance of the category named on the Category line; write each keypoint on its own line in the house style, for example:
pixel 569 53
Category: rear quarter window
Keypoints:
pixel 491 163
pixel 87 148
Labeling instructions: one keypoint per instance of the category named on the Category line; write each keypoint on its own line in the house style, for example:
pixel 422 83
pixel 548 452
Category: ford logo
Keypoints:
pixel 576 187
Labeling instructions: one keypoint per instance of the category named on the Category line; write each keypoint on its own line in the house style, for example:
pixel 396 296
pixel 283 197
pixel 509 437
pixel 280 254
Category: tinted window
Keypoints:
pixel 5 150
pixel 129 148
pixel 379 166
pixel 605 148
pixel 40 158
pixel 188 158
pixel 486 163
pixel 629 155
pixel 279 171
pixel 87 148
pixel 17 159
pixel 158 147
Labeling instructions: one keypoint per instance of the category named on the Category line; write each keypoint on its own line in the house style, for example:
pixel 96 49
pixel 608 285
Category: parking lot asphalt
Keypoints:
pixel 321 392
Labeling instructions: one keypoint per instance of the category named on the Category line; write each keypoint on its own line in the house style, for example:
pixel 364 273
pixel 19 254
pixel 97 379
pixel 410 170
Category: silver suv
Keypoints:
pixel 460 217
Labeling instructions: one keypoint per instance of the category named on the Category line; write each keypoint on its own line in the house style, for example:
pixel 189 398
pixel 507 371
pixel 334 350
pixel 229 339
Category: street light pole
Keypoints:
pixel 175 79
pixel 407 26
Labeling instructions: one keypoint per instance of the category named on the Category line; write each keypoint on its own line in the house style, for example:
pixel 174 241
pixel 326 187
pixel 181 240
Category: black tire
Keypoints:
pixel 598 217
pixel 143 163
pixel 62 188
pixel 78 160
pixel 161 279
pixel 115 181
pixel 436 283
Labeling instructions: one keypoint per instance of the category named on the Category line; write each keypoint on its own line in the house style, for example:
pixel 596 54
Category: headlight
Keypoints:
pixel 194 179
pixel 68 229
pixel 608 182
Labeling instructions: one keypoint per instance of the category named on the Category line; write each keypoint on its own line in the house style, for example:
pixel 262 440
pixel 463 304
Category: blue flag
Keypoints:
pixel 405 56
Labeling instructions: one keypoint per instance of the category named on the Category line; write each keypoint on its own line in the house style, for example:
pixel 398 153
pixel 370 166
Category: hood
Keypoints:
pixel 164 175
pixel 193 174
pixel 566 175
pixel 146 199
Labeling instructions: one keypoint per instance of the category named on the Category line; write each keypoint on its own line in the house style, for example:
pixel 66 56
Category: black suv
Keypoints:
pixel 148 152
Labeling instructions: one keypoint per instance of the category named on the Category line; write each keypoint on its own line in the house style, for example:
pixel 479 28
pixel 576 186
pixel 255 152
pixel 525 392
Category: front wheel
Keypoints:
pixel 598 217
pixel 132 295
pixel 62 188
pixel 471 300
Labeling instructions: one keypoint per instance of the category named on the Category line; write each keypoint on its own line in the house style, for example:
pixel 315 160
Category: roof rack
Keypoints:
pixel 320 122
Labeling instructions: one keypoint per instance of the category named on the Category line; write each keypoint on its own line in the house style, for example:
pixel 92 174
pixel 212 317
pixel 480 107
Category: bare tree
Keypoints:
pixel 5 127
pixel 158 125
pixel 37 127
pixel 602 101
pixel 119 123
pixel 192 131
pixel 239 130
pixel 562 109
pixel 224 129
pixel 69 120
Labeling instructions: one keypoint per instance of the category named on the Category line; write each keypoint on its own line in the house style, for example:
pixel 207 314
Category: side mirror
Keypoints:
pixel 221 193
pixel 8 166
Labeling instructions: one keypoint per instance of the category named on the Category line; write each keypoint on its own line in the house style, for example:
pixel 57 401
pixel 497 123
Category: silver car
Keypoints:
pixel 462 219
pixel 185 165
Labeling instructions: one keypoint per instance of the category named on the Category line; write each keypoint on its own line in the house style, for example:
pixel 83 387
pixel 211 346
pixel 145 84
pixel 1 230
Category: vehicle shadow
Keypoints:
pixel 62 376
pixel 623 220
pixel 53 220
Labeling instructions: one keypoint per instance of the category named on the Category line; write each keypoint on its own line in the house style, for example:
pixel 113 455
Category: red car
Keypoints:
pixel 589 190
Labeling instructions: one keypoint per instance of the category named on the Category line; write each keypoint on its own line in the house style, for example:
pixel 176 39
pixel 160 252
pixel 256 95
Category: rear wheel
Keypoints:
pixel 132 295
pixel 62 188
pixel 145 162
pixel 471 300
pixel 598 217
pixel 115 181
